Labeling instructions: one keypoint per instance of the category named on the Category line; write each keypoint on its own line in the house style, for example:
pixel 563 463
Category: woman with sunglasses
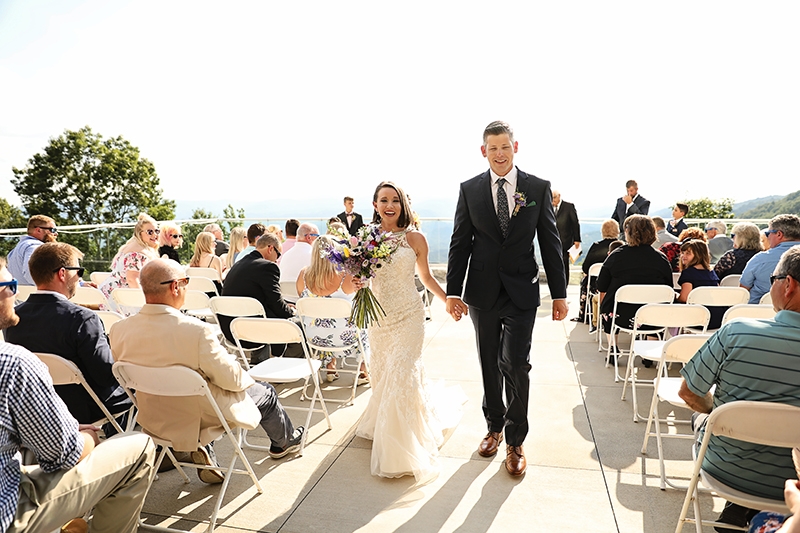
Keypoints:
pixel 170 239
pixel 130 259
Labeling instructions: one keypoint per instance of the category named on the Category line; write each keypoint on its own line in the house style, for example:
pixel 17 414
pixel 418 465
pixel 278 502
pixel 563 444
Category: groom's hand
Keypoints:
pixel 560 309
pixel 456 308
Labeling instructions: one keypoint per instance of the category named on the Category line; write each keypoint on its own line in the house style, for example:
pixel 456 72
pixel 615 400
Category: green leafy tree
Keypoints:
pixel 81 178
pixel 191 231
pixel 10 217
pixel 230 212
pixel 707 208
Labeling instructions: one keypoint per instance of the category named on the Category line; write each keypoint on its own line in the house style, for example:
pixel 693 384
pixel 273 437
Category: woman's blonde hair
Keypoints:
pixel 609 229
pixel 746 236
pixel 168 229
pixel 238 235
pixel 204 244
pixel 320 270
pixel 136 243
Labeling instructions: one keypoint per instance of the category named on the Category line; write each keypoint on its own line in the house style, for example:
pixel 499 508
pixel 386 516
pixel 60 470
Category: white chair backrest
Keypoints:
pixel 289 291
pixel 766 423
pixel 160 381
pixel 722 296
pixel 594 270
pixel 109 318
pixel 681 348
pixel 749 311
pixel 645 294
pixel 128 297
pixel 675 277
pixel 234 306
pixel 324 307
pixel 196 300
pixel 199 283
pixel 88 296
pixel 672 316
pixel 23 291
pixel 766 299
pixel 203 272
pixel 99 277
pixel 266 330
pixel 731 280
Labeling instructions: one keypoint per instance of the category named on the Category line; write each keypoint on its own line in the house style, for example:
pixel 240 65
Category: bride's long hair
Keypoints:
pixel 406 218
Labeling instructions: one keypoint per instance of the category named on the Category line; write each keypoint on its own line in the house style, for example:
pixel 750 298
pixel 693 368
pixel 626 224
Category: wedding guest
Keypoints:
pixel 677 224
pixel 253 233
pixel 672 250
pixel 718 241
pixel 783 233
pixel 291 234
pixel 130 259
pixel 170 239
pixel 41 229
pixel 299 256
pixel 238 243
pixel 632 203
pixel 204 253
pixel 696 272
pixel 765 245
pixel 276 230
pixel 662 236
pixel 336 226
pixel 220 246
pixel 597 253
pixel 746 244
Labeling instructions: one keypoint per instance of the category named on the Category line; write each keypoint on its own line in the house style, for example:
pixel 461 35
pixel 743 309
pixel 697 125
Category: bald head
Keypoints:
pixel 153 276
pixel 307 233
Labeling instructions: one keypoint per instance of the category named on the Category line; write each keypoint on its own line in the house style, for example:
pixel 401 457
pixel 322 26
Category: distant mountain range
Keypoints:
pixel 789 204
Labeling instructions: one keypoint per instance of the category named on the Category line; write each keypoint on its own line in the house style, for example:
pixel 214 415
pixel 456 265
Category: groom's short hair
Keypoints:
pixel 498 127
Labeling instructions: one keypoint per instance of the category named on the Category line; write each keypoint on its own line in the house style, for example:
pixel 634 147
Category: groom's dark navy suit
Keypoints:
pixel 502 289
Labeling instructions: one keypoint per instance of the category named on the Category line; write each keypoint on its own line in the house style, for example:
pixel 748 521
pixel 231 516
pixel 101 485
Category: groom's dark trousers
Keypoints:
pixel 502 290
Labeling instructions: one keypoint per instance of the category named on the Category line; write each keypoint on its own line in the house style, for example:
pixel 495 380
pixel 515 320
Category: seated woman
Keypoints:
pixel 321 280
pixel 204 256
pixel 130 259
pixel 746 244
pixel 634 263
pixel 673 249
pixel 597 253
pixel 170 239
pixel 696 272
pixel 238 242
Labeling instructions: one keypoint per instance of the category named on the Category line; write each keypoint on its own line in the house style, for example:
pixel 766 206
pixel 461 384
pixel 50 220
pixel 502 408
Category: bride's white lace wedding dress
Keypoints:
pixel 407 418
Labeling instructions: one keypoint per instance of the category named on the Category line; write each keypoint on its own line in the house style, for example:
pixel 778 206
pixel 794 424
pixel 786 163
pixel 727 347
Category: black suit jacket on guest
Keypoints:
pixel 257 278
pixel 358 222
pixel 55 325
pixel 641 206
pixel 509 262
pixel 221 247
pixel 569 229
pixel 597 253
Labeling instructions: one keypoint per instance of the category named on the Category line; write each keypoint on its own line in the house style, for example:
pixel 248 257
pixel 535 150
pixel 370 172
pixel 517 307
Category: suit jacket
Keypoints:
pixel 718 246
pixel 569 229
pixel 479 253
pixel 640 206
pixel 676 229
pixel 50 324
pixel 159 336
pixel 358 222
pixel 221 247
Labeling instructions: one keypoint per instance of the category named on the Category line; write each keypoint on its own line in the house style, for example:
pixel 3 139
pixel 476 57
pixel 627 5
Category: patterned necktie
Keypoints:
pixel 502 206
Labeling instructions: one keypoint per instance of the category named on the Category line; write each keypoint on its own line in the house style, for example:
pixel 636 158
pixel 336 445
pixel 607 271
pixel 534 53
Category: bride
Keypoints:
pixel 407 418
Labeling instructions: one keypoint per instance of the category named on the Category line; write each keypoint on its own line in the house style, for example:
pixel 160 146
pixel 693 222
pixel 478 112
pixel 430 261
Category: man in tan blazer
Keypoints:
pixel 160 335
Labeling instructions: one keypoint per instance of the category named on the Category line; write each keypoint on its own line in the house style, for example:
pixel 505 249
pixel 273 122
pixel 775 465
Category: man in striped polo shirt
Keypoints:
pixel 755 360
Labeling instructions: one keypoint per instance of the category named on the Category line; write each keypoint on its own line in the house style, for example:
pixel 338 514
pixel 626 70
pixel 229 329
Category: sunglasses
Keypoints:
pixel 12 286
pixel 177 236
pixel 152 232
pixel 773 278
pixel 770 232
pixel 277 252
pixel 80 270
pixel 51 230
pixel 182 282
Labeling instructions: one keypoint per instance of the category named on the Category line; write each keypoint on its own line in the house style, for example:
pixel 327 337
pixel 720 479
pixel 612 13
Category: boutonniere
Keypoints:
pixel 520 201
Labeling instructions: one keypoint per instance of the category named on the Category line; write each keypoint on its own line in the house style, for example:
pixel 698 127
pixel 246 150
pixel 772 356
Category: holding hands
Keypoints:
pixel 456 308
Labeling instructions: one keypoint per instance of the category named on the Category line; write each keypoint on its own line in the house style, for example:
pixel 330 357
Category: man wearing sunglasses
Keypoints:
pixel 783 233
pixel 50 323
pixel 41 229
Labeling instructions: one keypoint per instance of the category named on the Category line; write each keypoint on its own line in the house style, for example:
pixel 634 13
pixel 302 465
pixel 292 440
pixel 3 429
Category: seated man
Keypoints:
pixel 662 236
pixel 50 323
pixel 783 233
pixel 755 360
pixel 291 234
pixel 160 335
pixel 41 229
pixel 61 485
pixel 253 233
pixel 220 246
pixel 299 256
pixel 677 224
pixel 718 241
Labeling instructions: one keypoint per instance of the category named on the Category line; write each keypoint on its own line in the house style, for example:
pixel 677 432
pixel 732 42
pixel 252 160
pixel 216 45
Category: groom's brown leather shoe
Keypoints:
pixel 489 444
pixel 515 460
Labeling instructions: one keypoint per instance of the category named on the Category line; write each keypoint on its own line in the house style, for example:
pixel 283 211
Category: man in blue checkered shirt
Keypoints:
pixel 52 469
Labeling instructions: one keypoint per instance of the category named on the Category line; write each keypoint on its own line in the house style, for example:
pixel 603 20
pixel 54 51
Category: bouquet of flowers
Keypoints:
pixel 361 256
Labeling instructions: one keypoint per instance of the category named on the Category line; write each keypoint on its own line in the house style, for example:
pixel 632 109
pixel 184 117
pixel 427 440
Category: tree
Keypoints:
pixel 191 231
pixel 707 208
pixel 787 205
pixel 80 178
pixel 230 212
pixel 10 217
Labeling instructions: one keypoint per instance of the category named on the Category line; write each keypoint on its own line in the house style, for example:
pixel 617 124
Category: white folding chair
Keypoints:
pixel 88 296
pixel 289 291
pixel 199 283
pixel 749 311
pixel 640 295
pixel 182 381
pixel 675 277
pixel 109 318
pixel 203 272
pixel 588 310
pixel 717 297
pixel 766 299
pixel 337 308
pixel 661 316
pixel 65 372
pixel 676 350
pixel 23 291
pixel 281 369
pixel 98 277
pixel 198 304
pixel 765 423
pixel 731 280
pixel 233 307
pixel 128 299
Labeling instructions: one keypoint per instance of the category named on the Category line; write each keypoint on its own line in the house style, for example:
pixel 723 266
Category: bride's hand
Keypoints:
pixel 360 283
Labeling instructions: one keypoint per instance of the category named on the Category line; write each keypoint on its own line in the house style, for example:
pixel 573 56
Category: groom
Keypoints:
pixel 497 217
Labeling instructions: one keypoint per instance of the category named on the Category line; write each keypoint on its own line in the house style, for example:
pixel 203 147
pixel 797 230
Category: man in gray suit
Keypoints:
pixel 718 242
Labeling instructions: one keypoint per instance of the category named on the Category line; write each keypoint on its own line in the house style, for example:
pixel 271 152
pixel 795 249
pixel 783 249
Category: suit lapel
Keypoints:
pixel 522 185
pixel 486 191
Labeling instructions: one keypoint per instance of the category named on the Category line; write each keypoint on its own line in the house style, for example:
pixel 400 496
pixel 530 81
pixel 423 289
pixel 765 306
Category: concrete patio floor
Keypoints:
pixel 585 470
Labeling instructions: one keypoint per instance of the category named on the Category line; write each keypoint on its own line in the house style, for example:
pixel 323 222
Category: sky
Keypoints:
pixel 246 99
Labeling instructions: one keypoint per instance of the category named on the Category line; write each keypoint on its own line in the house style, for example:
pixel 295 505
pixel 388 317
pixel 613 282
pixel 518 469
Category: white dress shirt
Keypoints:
pixel 510 187
pixel 293 261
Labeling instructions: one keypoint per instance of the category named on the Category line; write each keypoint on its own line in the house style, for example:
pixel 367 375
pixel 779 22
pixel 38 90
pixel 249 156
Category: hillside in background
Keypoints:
pixel 789 204
pixel 741 208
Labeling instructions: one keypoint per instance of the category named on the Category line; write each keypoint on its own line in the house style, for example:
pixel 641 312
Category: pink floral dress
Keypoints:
pixel 119 276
